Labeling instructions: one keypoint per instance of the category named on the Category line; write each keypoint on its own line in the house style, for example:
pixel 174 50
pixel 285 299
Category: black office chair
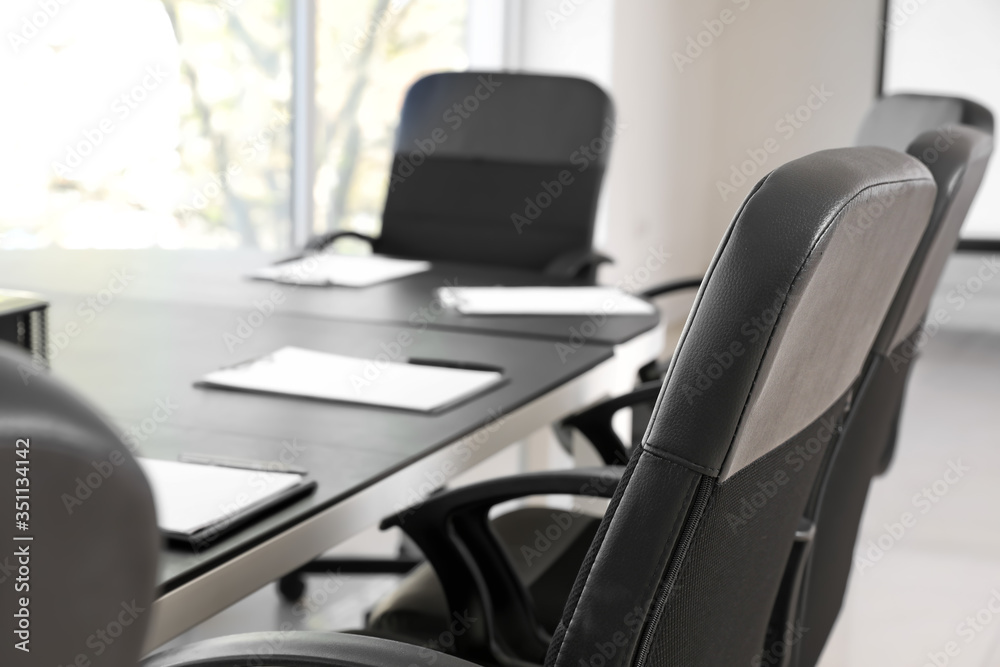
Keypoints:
pixel 958 165
pixel 490 168
pixel 421 604
pixel 91 559
pixel 668 581
pixel 894 121
pixel 497 168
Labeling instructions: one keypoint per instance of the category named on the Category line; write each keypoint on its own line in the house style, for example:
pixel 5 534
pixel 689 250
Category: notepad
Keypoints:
pixel 346 270
pixel 199 502
pixel 543 301
pixel 397 384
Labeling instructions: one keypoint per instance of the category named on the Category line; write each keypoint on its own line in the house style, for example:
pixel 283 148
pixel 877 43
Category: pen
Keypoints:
pixel 245 464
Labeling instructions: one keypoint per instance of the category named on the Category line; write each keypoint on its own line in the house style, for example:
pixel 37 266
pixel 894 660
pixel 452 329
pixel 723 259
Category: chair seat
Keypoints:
pixel 417 610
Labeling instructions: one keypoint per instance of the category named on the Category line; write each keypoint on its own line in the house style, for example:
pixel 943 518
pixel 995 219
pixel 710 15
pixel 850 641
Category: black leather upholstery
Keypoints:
pixel 957 157
pixel 92 564
pixel 822 243
pixel 894 121
pixel 497 168
pixel 776 283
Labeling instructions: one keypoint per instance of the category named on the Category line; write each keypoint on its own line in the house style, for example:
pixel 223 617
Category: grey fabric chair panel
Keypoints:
pixel 957 157
pixel 93 564
pixel 668 567
pixel 817 322
pixel 895 121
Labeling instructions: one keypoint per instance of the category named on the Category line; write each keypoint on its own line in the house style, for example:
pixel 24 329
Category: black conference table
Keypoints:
pixel 136 357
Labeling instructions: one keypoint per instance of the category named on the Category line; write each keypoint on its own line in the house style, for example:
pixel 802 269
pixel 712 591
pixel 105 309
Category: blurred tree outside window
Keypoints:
pixel 167 123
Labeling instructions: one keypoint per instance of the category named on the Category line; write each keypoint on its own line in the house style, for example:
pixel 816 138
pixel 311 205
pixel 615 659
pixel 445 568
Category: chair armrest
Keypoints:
pixel 577 265
pixel 321 241
pixel 595 422
pixel 671 286
pixel 452 529
pixel 301 649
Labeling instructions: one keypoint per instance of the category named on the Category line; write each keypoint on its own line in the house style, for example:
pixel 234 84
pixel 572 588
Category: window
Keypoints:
pixel 367 55
pixel 169 123
pixel 950 47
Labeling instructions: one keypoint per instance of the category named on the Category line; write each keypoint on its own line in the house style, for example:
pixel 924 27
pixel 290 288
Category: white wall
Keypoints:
pixel 691 121
pixel 684 124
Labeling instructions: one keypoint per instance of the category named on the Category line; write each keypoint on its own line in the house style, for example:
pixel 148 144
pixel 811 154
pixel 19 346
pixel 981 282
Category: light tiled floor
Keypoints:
pixel 916 599
pixel 905 608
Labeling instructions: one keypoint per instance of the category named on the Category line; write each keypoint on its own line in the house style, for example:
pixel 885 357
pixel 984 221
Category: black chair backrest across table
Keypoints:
pixel 498 168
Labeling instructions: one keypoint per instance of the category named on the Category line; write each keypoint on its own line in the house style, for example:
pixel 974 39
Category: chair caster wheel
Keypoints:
pixel 291 587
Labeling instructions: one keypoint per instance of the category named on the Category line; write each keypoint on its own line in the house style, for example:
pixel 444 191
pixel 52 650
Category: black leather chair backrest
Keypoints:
pixel 957 157
pixel 497 168
pixel 90 573
pixel 687 562
pixel 895 120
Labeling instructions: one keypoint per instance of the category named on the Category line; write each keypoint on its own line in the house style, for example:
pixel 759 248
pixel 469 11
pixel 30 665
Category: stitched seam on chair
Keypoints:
pixel 699 297
pixel 791 285
pixel 673 529
pixel 679 522
pixel 673 458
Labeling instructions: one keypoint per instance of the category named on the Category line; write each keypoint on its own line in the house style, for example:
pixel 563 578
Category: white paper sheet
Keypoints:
pixel 190 497
pixel 346 270
pixel 300 372
pixel 543 301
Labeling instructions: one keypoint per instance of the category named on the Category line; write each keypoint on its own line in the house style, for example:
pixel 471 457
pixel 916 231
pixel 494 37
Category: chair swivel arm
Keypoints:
pixel 576 265
pixel 321 241
pixel 595 422
pixel 452 529
pixel 300 649
pixel 670 286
